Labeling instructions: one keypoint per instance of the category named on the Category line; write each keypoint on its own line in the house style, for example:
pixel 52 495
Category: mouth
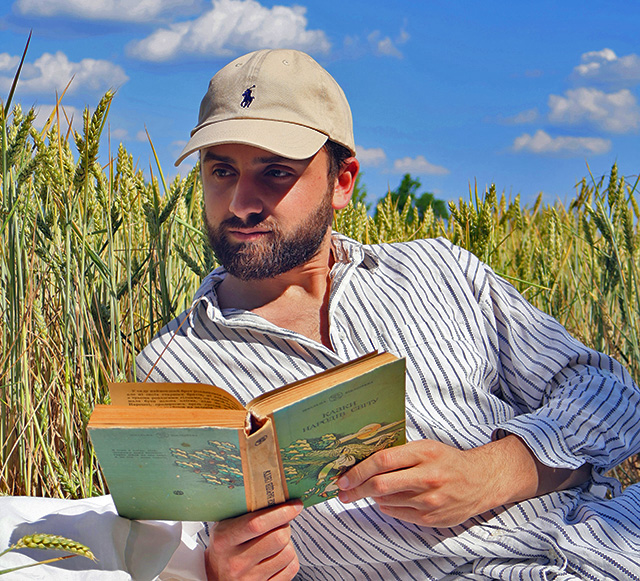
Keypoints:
pixel 248 234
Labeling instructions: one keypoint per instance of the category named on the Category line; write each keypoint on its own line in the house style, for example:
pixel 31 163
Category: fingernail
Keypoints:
pixel 343 482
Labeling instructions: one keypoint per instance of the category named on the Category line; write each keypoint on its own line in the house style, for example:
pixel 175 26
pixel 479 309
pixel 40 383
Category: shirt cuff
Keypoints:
pixel 544 439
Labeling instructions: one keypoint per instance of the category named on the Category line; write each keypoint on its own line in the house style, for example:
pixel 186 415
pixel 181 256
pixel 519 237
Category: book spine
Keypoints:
pixel 264 480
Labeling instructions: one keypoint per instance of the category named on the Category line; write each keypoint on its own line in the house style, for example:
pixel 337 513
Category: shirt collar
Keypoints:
pixel 346 250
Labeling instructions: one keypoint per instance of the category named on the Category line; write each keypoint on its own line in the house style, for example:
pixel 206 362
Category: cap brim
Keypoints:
pixel 286 139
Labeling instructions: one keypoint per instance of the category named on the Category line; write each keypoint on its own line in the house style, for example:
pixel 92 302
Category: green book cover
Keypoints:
pixel 163 458
pixel 325 434
pixel 173 473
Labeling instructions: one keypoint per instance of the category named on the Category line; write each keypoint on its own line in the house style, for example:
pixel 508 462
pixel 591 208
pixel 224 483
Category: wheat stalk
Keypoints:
pixel 47 542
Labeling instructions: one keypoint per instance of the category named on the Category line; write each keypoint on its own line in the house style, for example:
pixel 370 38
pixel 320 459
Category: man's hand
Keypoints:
pixel 254 546
pixel 434 484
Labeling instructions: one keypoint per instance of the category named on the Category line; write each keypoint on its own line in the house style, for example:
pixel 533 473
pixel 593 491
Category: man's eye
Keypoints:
pixel 221 172
pixel 278 173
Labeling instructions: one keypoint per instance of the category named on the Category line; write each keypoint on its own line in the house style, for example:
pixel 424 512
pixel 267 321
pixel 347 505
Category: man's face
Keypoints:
pixel 264 214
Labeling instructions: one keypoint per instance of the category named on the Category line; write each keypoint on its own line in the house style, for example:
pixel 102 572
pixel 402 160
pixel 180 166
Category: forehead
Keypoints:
pixel 241 153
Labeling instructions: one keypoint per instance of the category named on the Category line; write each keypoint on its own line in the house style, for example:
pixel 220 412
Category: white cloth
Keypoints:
pixel 124 549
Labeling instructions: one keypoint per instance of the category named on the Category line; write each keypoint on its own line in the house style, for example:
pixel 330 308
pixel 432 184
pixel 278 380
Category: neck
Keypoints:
pixel 296 300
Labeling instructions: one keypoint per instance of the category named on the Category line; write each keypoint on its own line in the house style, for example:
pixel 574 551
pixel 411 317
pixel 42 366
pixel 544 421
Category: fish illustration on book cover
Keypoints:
pixel 321 459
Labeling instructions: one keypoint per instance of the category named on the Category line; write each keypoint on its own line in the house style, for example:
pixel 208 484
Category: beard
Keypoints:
pixel 278 252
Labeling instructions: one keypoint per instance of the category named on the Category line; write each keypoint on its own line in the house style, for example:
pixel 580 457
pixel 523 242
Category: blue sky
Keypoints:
pixel 526 95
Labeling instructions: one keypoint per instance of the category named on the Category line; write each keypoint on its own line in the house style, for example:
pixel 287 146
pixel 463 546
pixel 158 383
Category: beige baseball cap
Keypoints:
pixel 280 100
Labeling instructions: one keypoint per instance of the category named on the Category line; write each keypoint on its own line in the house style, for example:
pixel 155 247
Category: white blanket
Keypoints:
pixel 125 549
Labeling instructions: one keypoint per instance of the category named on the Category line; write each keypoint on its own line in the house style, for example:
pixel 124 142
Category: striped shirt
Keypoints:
pixel 480 359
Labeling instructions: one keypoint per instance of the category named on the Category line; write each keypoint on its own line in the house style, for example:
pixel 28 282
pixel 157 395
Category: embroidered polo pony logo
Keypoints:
pixel 247 97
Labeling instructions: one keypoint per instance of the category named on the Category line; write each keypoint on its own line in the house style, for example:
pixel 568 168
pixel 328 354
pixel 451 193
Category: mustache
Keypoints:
pixel 251 222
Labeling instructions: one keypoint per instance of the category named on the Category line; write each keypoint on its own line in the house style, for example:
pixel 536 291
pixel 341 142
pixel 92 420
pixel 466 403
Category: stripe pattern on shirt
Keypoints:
pixel 480 359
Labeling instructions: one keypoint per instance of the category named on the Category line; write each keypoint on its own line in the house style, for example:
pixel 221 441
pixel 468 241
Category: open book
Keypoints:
pixel 176 451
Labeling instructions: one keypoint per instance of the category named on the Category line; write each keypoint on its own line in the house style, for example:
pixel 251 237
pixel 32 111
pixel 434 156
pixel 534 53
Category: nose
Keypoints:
pixel 245 198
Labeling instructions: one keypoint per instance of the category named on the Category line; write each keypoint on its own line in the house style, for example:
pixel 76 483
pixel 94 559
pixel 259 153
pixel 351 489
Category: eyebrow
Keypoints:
pixel 210 156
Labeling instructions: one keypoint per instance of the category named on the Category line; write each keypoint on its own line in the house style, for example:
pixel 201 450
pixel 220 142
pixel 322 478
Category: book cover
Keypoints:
pixel 173 473
pixel 190 463
pixel 325 434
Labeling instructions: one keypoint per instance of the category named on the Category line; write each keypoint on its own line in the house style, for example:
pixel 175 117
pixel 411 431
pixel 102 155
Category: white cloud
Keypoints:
pixel 230 26
pixel 528 116
pixel 374 156
pixel 605 66
pixel 403 37
pixel 119 10
pixel 542 143
pixel 52 72
pixel 385 46
pixel 66 115
pixel 356 46
pixel 8 63
pixel 119 134
pixel 418 165
pixel 614 112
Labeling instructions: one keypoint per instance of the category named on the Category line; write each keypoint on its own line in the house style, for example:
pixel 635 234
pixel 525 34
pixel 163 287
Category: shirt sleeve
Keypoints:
pixel 576 405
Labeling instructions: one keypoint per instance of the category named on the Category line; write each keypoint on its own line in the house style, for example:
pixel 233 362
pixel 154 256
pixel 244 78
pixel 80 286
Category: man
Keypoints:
pixel 511 423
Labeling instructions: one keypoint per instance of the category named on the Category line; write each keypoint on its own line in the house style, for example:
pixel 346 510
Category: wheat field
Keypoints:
pixel 94 259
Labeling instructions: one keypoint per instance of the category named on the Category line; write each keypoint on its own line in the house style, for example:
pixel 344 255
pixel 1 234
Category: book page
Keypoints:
pixel 173 395
pixel 117 416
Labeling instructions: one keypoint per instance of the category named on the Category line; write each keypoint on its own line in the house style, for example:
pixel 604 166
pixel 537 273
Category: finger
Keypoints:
pixel 435 518
pixel 262 557
pixel 370 488
pixel 381 462
pixel 281 566
pixel 400 485
pixel 288 573
pixel 410 515
pixel 242 529
pixel 405 499
pixel 267 545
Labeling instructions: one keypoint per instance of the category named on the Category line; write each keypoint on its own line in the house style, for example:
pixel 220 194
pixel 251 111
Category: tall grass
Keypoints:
pixel 580 262
pixel 90 268
pixel 94 259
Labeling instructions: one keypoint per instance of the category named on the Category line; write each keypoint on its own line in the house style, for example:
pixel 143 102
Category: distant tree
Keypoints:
pixel 409 188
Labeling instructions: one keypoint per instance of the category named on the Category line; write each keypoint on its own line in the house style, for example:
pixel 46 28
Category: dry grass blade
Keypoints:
pixel 14 83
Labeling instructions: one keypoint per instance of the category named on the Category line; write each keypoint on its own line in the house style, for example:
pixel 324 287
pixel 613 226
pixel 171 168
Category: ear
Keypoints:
pixel 345 182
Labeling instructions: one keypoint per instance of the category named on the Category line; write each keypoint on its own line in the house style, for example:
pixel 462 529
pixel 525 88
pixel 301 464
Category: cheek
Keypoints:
pixel 213 198
pixel 316 190
pixel 212 207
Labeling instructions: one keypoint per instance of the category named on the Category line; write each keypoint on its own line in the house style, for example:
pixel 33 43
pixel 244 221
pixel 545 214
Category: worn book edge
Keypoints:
pixel 266 485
